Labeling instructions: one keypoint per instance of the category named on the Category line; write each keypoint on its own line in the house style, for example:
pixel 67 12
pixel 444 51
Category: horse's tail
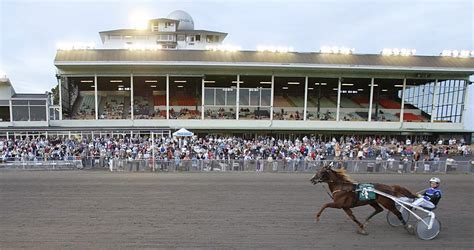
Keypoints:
pixel 401 191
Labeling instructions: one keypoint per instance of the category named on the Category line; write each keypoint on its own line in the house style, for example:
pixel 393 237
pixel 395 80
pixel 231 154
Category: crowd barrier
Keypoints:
pixel 157 165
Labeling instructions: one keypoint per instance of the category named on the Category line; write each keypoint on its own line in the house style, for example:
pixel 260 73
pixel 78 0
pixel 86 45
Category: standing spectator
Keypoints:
pixel 378 163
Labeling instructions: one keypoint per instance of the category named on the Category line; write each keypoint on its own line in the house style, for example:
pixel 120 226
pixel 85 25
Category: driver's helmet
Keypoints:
pixel 435 180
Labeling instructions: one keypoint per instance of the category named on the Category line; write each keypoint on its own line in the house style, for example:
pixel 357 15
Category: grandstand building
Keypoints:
pixel 171 76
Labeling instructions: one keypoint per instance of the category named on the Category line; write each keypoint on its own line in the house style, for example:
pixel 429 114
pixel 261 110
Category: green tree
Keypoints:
pixel 55 92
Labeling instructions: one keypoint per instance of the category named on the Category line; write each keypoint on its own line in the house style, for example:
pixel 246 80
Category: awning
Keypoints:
pixel 183 132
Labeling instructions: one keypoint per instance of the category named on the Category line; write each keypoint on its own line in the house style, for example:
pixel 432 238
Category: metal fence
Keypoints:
pixel 178 165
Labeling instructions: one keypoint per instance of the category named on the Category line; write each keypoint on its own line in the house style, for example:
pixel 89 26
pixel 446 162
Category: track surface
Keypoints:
pixel 41 209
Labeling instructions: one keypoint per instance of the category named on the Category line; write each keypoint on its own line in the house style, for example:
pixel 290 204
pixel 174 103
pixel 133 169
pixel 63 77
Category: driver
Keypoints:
pixel 431 196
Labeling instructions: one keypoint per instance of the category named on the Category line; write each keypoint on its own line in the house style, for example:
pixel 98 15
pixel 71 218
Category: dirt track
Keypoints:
pixel 41 209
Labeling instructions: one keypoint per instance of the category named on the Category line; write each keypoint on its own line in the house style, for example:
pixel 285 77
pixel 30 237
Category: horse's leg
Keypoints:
pixel 361 226
pixel 331 204
pixel 378 209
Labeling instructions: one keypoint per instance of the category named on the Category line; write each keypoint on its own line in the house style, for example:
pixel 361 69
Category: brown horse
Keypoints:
pixel 344 195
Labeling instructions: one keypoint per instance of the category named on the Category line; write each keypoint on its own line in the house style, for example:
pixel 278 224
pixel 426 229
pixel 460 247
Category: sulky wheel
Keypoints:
pixel 393 220
pixel 424 233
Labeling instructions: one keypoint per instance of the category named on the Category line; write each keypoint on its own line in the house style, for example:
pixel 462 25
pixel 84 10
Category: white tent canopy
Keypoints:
pixel 183 133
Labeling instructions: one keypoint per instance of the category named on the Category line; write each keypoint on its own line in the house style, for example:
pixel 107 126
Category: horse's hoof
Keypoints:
pixel 362 232
pixel 410 229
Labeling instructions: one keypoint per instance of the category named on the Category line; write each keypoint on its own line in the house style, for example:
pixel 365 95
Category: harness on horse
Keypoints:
pixel 352 188
pixel 362 190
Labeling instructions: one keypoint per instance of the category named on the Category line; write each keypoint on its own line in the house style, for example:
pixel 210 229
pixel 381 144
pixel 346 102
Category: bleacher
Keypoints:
pixel 281 101
pixel 159 100
pixel 362 101
pixel 325 102
pixel 298 101
pixel 113 108
pixel 390 104
pixel 347 102
pixel 185 101
pixel 86 108
pixel 410 117
pixel 142 107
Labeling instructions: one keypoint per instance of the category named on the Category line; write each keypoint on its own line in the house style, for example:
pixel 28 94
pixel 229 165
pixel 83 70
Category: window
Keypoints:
pixel 4 113
pixel 209 96
pixel 37 102
pixel 209 38
pixel 244 97
pixel 115 37
pixel 165 38
pixel 37 113
pixel 181 37
pixel 20 113
pixel 33 110
pixel 198 38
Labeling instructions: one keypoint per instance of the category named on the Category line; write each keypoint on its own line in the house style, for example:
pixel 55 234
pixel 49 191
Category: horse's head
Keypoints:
pixel 322 175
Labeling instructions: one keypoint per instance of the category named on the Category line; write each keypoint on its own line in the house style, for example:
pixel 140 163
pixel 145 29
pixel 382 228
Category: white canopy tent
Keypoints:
pixel 183 133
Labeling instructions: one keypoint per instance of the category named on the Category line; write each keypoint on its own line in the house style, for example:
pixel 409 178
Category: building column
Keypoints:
pixel 96 98
pixel 167 96
pixel 202 98
pixel 237 101
pixel 29 112
pixel 371 98
pixel 464 110
pixel 403 100
pixel 434 101
pixel 338 98
pixel 60 82
pixel 305 97
pixel 131 96
pixel 11 110
pixel 271 97
pixel 47 111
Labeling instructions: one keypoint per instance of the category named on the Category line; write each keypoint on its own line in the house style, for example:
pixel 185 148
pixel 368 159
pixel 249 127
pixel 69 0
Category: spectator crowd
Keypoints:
pixel 344 148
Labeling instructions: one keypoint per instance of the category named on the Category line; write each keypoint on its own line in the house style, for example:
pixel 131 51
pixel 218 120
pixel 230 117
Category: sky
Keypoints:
pixel 31 29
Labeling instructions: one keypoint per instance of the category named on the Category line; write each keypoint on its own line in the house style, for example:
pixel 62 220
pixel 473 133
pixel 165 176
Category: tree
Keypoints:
pixel 55 93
